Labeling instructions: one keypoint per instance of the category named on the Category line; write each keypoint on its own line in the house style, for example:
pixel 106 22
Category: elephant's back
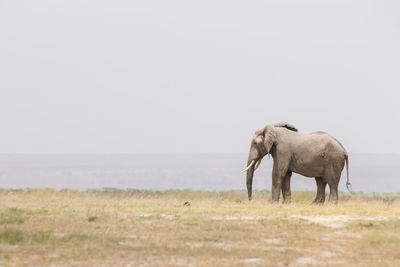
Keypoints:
pixel 326 142
pixel 334 149
pixel 319 132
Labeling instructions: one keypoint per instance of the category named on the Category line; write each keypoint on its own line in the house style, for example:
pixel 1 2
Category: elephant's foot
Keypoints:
pixel 274 202
pixel 318 201
pixel 287 200
pixel 333 199
pixel 333 202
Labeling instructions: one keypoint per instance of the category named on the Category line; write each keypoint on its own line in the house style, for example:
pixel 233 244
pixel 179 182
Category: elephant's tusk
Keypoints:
pixel 251 164
pixel 258 164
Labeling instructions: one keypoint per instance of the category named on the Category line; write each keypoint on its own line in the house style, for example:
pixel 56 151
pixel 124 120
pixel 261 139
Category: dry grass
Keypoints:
pixel 121 227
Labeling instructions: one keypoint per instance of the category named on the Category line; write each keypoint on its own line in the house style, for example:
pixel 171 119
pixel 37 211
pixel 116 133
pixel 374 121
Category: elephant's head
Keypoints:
pixel 262 143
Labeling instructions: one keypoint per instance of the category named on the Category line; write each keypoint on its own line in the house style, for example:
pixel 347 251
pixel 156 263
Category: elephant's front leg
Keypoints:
pixel 287 195
pixel 277 180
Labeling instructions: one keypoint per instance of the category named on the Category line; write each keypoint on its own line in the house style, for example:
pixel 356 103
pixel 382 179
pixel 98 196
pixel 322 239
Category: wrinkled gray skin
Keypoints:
pixel 317 155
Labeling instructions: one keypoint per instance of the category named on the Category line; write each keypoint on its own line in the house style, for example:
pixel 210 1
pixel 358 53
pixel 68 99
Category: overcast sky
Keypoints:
pixel 196 76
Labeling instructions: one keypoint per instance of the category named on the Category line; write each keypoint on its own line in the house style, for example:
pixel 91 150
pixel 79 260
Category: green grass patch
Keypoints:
pixel 78 237
pixel 37 212
pixel 12 220
pixel 273 221
pixel 301 239
pixel 18 211
pixel 16 236
pixel 191 221
pixel 17 215
pixel 14 211
pixel 383 240
pixel 149 217
pixel 12 236
pixel 43 237
pixel 210 239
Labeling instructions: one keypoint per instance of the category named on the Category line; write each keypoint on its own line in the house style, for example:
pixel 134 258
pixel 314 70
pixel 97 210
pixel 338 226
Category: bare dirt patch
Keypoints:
pixel 337 221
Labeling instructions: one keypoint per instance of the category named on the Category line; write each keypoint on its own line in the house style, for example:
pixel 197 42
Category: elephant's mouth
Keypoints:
pixel 258 162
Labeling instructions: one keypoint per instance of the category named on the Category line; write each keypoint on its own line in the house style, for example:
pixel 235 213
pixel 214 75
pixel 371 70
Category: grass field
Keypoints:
pixel 151 228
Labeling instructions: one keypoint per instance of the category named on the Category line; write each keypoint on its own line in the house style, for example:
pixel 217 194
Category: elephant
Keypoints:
pixel 316 155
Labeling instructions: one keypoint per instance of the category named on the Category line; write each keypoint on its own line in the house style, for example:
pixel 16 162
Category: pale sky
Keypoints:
pixel 196 76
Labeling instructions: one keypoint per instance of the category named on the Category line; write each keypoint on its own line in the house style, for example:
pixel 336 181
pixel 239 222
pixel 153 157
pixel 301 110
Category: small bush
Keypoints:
pixel 92 218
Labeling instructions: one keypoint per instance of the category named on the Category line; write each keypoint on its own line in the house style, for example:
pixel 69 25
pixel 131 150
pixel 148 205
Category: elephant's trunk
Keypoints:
pixel 249 180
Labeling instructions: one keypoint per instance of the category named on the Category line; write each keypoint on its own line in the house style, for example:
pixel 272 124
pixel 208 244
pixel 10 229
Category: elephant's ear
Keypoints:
pixel 286 125
pixel 269 137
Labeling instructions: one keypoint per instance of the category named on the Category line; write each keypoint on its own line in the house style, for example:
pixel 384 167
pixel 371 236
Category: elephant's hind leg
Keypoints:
pixel 333 187
pixel 321 185
pixel 287 195
pixel 333 194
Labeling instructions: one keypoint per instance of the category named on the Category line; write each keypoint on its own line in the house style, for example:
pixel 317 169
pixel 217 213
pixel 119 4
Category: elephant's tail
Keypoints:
pixel 348 184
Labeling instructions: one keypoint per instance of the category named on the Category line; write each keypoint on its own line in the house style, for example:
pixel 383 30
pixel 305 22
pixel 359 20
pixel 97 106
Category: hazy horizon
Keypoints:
pixel 368 172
